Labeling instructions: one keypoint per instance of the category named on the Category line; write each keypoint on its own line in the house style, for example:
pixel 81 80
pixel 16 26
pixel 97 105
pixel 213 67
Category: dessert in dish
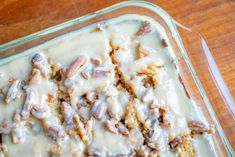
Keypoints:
pixel 109 89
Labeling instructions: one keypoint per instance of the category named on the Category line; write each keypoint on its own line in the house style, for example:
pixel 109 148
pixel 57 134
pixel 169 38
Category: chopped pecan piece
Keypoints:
pixel 187 147
pixel 130 116
pixel 151 69
pixel 55 133
pixel 39 111
pixel 143 151
pixel 101 72
pixel 35 77
pixel 153 146
pixel 154 153
pixel 54 150
pixel 22 85
pixel 148 135
pixel 30 100
pixel 91 97
pixel 197 127
pixel 122 128
pixel 18 135
pixel 145 28
pixel 76 66
pixel 37 58
pixel 176 142
pixel 96 61
pixel 84 75
pixel 99 110
pixel 110 125
pixel 55 69
pixel 59 75
pixel 80 128
pixel 147 82
pixel 6 127
pixel 39 62
pixel 142 52
pixel 151 72
pixel 164 118
pixel 12 91
pixel 68 112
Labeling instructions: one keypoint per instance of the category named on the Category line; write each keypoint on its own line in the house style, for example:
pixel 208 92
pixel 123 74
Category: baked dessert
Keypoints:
pixel 110 89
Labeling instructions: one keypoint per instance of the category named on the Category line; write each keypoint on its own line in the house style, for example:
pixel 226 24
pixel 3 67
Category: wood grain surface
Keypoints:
pixel 214 19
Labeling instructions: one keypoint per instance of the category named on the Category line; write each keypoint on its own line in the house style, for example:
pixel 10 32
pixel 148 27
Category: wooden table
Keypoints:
pixel 214 19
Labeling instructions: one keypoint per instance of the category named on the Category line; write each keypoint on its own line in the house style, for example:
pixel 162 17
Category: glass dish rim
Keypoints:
pixel 172 26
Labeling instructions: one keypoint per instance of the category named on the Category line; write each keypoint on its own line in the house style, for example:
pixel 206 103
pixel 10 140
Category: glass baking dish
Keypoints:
pixel 193 56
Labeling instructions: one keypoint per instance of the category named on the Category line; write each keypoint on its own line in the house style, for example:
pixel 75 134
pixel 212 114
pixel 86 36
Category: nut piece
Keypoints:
pixel 12 91
pixel 151 72
pixel 84 75
pixel 122 128
pixel 35 77
pixel 151 69
pixel 148 135
pixel 187 147
pixel 18 135
pixel 80 128
pixel 39 111
pixel 76 66
pixel 101 72
pixel 165 118
pixel 37 58
pixel 176 142
pixel 147 82
pixel 68 112
pixel 55 133
pixel 6 127
pixel 130 116
pixel 99 110
pixel 39 62
pixel 154 153
pixel 197 127
pixel 110 125
pixel 92 97
pixel 30 101
pixel 142 52
pixel 143 151
pixel 145 29
pixel 96 61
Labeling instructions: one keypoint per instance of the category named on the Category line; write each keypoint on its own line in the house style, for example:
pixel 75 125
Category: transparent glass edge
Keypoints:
pixel 169 20
pixel 198 83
